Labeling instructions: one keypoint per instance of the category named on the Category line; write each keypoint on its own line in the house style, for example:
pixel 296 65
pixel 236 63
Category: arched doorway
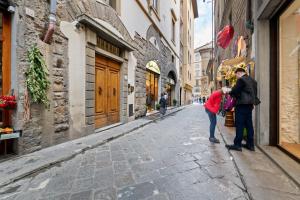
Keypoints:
pixel 152 84
pixel 170 87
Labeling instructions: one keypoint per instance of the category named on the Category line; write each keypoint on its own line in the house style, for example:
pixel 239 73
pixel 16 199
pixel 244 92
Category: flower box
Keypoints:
pixel 8 102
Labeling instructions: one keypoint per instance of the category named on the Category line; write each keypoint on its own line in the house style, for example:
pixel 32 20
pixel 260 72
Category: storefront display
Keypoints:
pixel 7 102
pixel 289 79
pixel 152 80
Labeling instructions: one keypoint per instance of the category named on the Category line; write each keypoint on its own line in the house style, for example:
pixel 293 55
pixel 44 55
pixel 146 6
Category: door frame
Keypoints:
pixel 275 81
pixel 6 60
pixel 110 59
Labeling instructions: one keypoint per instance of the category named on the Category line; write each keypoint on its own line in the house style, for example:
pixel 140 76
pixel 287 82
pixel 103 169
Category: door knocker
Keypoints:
pixel 99 90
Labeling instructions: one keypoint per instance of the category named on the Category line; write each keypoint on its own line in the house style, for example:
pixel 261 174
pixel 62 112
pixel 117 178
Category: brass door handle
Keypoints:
pixel 99 90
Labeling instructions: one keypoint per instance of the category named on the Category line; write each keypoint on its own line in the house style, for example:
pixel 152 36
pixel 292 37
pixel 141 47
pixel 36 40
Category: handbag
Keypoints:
pixel 230 102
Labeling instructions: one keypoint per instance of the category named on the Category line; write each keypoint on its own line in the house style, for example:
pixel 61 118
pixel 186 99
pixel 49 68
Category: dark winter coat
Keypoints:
pixel 245 91
pixel 163 102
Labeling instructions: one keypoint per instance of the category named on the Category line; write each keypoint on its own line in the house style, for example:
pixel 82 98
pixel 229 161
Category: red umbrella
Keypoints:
pixel 225 36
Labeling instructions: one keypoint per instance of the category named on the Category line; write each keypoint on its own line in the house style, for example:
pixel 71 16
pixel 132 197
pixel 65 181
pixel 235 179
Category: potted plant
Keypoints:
pixel 157 106
pixel 174 102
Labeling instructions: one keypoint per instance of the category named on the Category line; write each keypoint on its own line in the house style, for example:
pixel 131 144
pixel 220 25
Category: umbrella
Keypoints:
pixel 225 36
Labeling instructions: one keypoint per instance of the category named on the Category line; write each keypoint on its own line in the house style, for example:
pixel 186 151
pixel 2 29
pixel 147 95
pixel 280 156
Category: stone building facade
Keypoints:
pixel 189 12
pixel 148 52
pixel 236 13
pixel 277 57
pixel 94 40
pixel 203 56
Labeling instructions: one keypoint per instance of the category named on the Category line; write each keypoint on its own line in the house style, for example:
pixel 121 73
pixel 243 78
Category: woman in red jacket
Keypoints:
pixel 212 107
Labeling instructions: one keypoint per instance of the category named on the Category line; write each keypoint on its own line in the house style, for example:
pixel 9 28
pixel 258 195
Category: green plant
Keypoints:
pixel 174 102
pixel 157 106
pixel 37 77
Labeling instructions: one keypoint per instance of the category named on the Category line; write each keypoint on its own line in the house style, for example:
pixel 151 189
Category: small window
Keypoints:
pixel 155 4
pixel 173 30
pixel 230 18
pixel 174 19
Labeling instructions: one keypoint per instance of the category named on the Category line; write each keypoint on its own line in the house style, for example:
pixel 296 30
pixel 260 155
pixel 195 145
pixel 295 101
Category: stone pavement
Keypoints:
pixel 262 178
pixel 170 159
pixel 19 167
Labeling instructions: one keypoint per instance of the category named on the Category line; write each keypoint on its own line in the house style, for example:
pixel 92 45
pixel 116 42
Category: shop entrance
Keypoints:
pixel 285 79
pixel 107 92
pixel 152 85
pixel 7 145
pixel 170 88
pixel 289 79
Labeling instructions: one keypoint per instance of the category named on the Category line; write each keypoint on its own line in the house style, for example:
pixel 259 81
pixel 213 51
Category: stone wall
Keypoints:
pixel 234 14
pixel 45 127
pixel 145 52
pixel 49 127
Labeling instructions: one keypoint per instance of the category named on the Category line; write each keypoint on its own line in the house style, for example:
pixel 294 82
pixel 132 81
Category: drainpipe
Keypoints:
pixel 52 18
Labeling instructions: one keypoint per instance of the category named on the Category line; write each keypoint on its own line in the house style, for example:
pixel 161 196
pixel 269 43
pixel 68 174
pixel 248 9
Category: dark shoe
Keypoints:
pixel 248 147
pixel 214 140
pixel 233 147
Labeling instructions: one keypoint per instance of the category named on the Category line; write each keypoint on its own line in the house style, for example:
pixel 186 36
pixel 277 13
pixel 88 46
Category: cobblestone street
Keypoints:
pixel 169 159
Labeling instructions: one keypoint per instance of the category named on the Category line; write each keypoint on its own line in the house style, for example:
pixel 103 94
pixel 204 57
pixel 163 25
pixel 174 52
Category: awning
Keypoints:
pixel 153 66
pixel 105 31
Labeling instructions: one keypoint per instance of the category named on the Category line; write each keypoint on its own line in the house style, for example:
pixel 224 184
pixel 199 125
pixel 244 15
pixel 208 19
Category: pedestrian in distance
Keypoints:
pixel 163 104
pixel 245 93
pixel 212 107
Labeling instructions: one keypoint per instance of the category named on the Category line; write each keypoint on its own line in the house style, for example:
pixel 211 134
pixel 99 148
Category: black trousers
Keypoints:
pixel 243 119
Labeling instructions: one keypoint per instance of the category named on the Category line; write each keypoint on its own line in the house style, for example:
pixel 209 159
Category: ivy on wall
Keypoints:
pixel 37 77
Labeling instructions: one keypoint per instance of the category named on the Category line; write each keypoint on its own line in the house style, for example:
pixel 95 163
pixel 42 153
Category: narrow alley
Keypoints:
pixel 166 160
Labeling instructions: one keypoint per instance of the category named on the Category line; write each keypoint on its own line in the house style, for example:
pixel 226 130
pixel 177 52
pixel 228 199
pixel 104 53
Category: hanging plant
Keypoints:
pixel 37 77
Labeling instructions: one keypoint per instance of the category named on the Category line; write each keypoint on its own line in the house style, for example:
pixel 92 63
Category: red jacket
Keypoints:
pixel 214 101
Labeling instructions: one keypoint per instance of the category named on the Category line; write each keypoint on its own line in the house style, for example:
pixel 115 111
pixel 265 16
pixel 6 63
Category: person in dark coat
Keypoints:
pixel 163 104
pixel 245 92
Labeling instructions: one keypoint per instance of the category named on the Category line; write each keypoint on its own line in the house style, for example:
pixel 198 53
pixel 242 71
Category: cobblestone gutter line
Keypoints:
pixel 237 168
pixel 258 173
pixel 19 171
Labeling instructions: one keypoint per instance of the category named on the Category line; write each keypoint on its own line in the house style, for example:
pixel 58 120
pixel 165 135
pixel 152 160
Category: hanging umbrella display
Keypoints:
pixel 225 36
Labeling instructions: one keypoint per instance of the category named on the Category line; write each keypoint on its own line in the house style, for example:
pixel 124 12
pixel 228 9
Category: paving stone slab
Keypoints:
pixel 20 167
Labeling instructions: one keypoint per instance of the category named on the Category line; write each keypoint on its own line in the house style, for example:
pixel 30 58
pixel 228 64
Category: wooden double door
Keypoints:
pixel 107 92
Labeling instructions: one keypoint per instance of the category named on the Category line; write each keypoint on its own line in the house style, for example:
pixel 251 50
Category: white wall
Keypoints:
pixel 76 52
pixel 132 62
pixel 134 18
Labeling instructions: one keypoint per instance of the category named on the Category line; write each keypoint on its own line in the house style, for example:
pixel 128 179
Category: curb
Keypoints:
pixel 278 165
pixel 84 149
pixel 236 166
